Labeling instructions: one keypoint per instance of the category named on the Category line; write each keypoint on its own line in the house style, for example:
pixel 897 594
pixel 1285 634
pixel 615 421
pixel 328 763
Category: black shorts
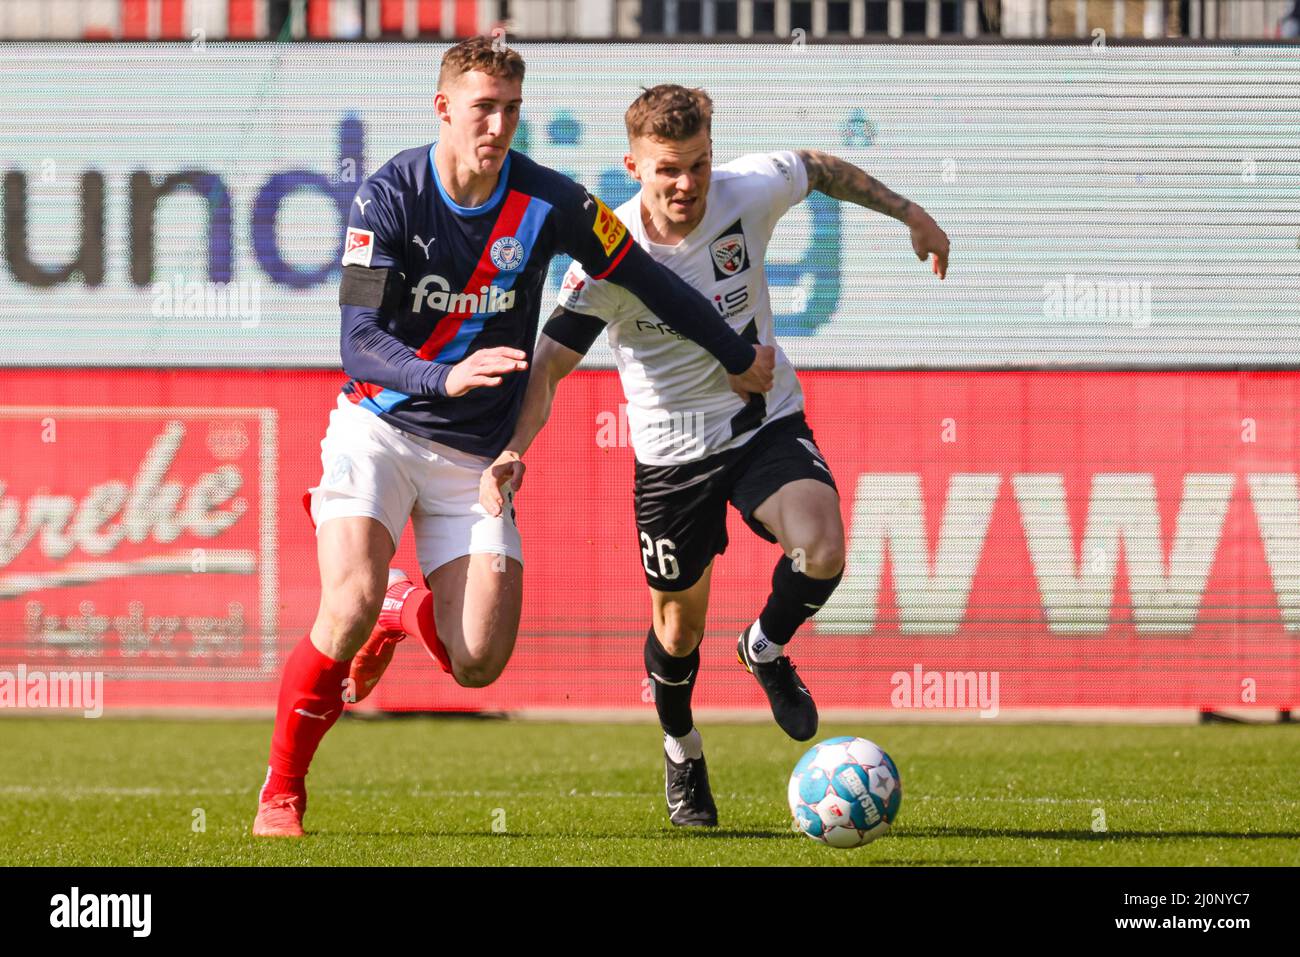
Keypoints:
pixel 681 510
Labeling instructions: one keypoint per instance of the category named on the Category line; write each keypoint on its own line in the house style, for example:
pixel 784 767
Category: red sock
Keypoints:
pixel 417 621
pixel 312 683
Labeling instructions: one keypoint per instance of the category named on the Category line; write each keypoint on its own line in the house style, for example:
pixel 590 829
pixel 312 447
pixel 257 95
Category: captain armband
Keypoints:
pixel 380 289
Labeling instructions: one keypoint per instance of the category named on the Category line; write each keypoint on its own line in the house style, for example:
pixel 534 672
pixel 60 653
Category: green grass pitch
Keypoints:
pixel 491 792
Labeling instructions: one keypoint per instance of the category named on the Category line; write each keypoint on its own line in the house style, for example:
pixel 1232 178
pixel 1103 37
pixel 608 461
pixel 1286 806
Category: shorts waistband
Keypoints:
pixel 455 456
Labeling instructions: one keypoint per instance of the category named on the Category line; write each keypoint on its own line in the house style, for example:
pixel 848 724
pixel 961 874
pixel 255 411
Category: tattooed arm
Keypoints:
pixel 844 181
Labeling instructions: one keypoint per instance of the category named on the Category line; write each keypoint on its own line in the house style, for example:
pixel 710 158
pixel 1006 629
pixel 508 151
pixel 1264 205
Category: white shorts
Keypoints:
pixel 371 468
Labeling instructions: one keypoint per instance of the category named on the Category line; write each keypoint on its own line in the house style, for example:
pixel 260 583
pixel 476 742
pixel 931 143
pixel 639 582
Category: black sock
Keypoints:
pixel 795 598
pixel 673 680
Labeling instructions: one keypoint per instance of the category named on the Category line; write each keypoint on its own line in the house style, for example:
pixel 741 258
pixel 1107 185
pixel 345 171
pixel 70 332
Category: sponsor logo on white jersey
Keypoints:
pixel 732 303
pixel 434 292
pixel 650 325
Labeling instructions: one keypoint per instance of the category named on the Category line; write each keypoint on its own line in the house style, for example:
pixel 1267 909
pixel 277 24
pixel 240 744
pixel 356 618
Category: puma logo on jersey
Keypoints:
pixel 423 245
pixel 362 204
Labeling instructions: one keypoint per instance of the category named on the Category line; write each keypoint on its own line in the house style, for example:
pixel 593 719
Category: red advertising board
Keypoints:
pixel 1053 538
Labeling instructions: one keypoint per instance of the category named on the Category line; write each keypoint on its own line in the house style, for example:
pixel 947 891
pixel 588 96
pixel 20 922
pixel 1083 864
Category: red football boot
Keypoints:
pixel 280 815
pixel 375 655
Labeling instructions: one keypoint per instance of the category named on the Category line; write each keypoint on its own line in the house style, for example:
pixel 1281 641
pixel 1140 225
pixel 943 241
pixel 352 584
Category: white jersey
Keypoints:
pixel 680 407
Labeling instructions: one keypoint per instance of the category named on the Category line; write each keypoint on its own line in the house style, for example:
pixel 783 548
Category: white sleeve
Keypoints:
pixel 590 297
pixel 777 180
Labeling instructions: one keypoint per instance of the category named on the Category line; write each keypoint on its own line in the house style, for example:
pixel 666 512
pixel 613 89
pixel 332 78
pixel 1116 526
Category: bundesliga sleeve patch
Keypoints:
pixel 609 229
pixel 571 287
pixel 358 247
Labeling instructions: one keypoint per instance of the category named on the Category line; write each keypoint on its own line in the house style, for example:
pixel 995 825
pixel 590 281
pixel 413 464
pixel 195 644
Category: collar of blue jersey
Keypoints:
pixel 471 210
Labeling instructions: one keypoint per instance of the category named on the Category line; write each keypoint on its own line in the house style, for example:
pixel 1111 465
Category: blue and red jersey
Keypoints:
pixel 472 278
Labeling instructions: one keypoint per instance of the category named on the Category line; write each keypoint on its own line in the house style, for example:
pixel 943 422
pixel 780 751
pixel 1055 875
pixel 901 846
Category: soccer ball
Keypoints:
pixel 845 792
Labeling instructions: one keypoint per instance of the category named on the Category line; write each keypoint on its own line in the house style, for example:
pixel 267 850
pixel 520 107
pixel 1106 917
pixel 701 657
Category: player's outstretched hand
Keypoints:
pixel 484 368
pixel 758 377
pixel 928 239
pixel 507 468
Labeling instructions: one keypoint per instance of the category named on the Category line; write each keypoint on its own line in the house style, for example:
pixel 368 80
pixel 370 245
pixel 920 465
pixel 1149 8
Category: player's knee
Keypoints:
pixel 476 674
pixel 339 640
pixel 345 620
pixel 820 558
pixel 679 638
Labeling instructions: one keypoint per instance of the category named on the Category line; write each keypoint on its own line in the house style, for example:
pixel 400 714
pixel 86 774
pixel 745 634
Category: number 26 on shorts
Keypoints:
pixel 659 550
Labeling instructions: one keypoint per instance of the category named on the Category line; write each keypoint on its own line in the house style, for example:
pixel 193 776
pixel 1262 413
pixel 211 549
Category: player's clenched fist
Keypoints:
pixel 507 468
pixel 758 377
pixel 484 368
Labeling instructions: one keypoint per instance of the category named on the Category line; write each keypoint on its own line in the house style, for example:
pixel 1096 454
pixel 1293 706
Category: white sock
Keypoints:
pixel 690 745
pixel 761 648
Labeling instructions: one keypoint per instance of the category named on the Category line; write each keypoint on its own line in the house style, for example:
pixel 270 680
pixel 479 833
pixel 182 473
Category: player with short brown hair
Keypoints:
pixel 445 258
pixel 699 446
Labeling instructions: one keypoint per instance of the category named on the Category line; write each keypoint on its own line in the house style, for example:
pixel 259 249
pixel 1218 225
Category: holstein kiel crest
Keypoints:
pixel 507 254
pixel 729 253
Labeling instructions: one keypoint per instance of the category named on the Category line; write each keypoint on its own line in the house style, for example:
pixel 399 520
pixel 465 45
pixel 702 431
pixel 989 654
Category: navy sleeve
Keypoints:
pixel 595 237
pixel 573 330
pixel 370 353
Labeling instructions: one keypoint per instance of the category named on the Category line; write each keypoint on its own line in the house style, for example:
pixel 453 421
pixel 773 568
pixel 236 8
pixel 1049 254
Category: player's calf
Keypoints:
pixel 311 700
pixel 795 597
pixel 686 777
pixel 354 553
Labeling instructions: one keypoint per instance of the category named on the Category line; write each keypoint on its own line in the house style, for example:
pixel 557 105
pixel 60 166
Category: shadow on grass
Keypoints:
pixel 913 833
pixel 688 834
pixel 1098 836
